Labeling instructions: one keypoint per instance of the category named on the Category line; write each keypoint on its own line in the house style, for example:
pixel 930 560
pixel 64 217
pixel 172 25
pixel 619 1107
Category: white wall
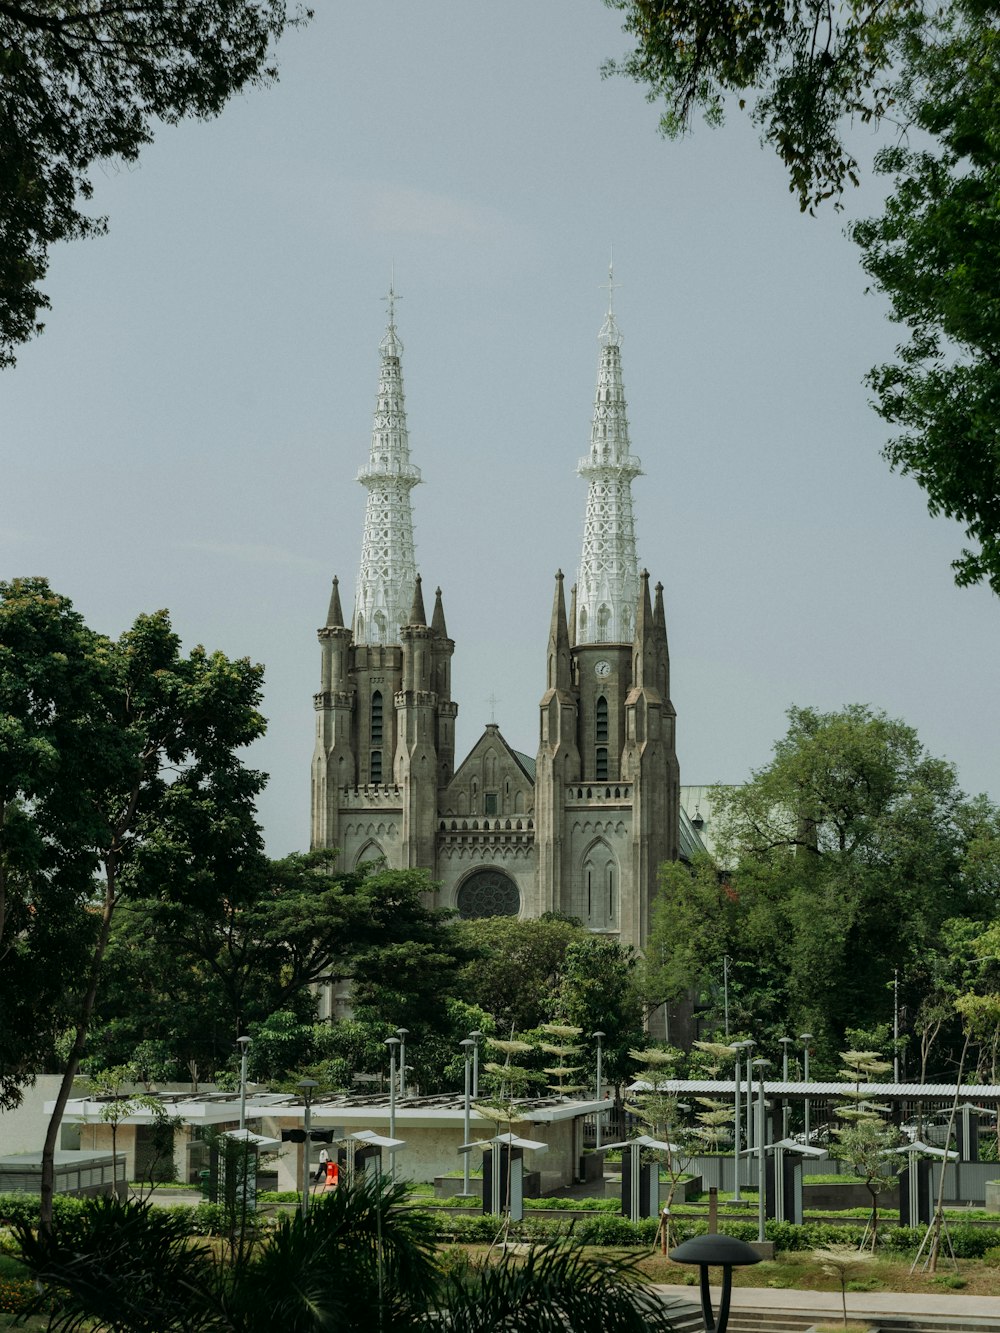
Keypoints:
pixel 23 1130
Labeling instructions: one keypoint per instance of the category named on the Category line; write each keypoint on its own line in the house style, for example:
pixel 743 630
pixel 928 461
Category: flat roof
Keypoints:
pixel 975 1092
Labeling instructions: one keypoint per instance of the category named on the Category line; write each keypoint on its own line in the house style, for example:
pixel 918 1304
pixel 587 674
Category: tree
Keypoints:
pixel 852 825
pixel 661 1113
pixel 243 960
pixel 515 968
pixel 806 68
pixel 866 1140
pixel 85 82
pixel 841 1262
pixel 689 929
pixel 117 758
pixel 932 252
pixel 600 993
pixel 933 72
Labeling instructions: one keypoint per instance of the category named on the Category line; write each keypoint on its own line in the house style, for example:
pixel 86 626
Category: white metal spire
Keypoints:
pixel 608 583
pixel 388 565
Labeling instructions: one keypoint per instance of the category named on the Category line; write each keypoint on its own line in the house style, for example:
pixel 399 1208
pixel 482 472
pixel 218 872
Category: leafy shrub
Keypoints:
pixel 615 1231
pixel 971 1242
pixel 20 1207
pixel 992 1256
pixel 950 1280
pixel 897 1240
pixel 575 1205
pixel 15 1295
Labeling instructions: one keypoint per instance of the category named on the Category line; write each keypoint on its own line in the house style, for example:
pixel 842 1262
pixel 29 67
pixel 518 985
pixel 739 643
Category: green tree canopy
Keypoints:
pixel 849 856
pixel 599 992
pixel 805 71
pixel 194 976
pixel 801 69
pixel 516 967
pixel 117 757
pixel 86 81
pixel 933 253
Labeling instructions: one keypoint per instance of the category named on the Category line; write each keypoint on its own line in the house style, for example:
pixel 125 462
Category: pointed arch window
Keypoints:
pixel 376 718
pixel 601 720
pixel 600 887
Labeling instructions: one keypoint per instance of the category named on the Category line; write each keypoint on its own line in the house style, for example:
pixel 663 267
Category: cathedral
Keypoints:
pixel 581 827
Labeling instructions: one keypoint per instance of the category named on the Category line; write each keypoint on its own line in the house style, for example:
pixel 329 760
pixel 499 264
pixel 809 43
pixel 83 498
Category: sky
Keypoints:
pixel 187 430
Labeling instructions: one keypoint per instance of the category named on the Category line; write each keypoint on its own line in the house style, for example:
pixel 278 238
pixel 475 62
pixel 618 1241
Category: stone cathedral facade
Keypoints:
pixel 582 826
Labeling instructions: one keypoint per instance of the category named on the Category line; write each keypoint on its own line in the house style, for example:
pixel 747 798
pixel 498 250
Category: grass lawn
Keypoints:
pixel 799 1270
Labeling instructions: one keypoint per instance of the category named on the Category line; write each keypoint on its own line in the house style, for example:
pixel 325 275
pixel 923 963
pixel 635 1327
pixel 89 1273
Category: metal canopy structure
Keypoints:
pixel 979 1093
pixel 378 1140
pixel 643 1141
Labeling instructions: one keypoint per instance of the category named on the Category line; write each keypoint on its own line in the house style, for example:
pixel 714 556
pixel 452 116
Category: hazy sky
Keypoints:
pixel 187 431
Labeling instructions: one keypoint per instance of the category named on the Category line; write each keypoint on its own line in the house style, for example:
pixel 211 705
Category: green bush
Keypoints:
pixel 615 1231
pixel 897 1240
pixel 576 1205
pixel 971 1242
pixel 19 1207
pixel 204 1219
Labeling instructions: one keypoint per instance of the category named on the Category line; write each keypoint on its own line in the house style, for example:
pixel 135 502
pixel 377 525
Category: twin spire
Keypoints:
pixel 608 581
pixel 388 564
pixel 388 590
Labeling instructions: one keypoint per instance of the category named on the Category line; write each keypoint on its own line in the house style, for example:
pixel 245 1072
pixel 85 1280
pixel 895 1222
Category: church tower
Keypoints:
pixel 385 721
pixel 583 827
pixel 607 788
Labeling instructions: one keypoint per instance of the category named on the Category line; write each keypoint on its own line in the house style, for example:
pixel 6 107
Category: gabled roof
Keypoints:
pixel 493 734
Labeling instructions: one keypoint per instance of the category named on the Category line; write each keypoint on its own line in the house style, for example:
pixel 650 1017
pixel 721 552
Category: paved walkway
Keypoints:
pixel 867 1303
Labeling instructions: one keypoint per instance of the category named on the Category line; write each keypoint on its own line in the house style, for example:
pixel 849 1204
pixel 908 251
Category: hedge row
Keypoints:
pixel 209 1219
pixel 969 1242
pixel 203 1219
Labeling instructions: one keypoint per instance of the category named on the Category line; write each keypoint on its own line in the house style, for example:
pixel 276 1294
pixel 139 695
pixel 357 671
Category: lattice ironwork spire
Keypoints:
pixel 608 583
pixel 388 564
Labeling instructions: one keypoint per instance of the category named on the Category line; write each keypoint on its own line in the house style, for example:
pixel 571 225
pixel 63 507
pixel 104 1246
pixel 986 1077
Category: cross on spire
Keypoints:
pixel 493 700
pixel 610 335
pixel 392 296
pixel 610 286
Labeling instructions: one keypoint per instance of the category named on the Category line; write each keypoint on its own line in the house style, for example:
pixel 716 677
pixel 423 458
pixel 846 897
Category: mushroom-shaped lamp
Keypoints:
pixel 714 1251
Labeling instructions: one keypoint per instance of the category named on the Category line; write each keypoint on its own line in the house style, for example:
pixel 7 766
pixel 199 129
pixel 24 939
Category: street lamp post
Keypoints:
pixel 244 1045
pixel 599 1036
pixel 402 1034
pixel 805 1038
pixel 785 1108
pixel 737 1046
pixel 476 1037
pixel 748 1046
pixel 466 1130
pixel 760 1066
pixel 736 1129
pixel 726 960
pixel 307 1085
pixel 393 1045
pixel 895 1025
